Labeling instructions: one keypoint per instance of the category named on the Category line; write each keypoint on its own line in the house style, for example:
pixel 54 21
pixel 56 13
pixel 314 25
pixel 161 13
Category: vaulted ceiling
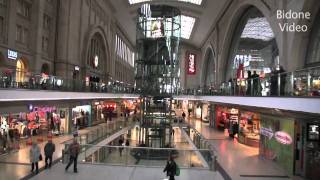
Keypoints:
pixel 205 16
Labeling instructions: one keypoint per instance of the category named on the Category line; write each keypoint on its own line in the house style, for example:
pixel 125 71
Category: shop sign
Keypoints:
pixel 283 137
pixel 45 109
pixel 12 54
pixel 191 59
pixel 266 132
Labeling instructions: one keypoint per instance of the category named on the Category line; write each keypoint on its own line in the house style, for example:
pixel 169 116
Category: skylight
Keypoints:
pixel 258 28
pixel 187 24
pixel 197 2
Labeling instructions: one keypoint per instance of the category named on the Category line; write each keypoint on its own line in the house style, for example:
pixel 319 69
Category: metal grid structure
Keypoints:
pixel 157 66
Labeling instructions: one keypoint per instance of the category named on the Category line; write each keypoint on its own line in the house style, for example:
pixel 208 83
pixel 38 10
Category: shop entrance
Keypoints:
pixel 298 152
pixel 313 151
pixel 20 71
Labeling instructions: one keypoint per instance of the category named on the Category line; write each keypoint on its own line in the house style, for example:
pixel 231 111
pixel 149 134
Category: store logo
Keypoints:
pixel 283 137
pixel 266 132
pixel 191 63
pixel 12 54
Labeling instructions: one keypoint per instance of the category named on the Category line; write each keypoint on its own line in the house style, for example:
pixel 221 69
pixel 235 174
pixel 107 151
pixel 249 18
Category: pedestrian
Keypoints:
pixel 35 156
pixel 256 84
pixel 127 142
pixel 183 115
pixel 49 149
pixel 73 150
pixel 172 132
pixel 170 168
pixel 120 144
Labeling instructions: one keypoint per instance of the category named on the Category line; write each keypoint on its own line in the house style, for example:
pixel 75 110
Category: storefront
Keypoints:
pixel 249 128
pixel 277 140
pixel 312 150
pixel 227 118
pixel 81 116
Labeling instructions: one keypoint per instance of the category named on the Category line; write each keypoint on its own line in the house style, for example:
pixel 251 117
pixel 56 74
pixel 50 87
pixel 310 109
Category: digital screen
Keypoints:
pixel 313 132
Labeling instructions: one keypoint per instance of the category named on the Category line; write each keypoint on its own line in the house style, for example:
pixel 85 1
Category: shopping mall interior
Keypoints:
pixel 160 89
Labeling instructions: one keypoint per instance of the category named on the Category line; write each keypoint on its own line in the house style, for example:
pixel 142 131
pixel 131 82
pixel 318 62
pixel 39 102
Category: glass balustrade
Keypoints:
pixel 305 82
pixel 144 156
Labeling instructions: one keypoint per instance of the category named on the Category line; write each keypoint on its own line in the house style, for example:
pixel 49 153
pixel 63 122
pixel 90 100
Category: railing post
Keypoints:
pixel 309 82
pixel 292 84
pixel 214 163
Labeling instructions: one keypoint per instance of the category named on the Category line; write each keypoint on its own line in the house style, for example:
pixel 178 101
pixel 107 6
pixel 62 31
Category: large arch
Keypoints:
pixel 313 47
pixel 208 73
pixel 232 23
pixel 21 70
pixel 94 31
pixel 301 41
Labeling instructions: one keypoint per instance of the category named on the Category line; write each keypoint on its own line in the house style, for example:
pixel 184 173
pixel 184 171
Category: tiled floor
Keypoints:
pixel 93 172
pixel 238 159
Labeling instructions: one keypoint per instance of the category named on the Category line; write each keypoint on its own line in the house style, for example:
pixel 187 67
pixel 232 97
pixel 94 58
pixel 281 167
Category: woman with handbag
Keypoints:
pixel 35 156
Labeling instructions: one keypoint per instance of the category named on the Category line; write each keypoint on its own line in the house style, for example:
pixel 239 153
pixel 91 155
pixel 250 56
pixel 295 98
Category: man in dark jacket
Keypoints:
pixel 73 150
pixel 171 168
pixel 49 149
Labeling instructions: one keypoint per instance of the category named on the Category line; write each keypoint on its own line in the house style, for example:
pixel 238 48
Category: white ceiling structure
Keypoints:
pixel 199 17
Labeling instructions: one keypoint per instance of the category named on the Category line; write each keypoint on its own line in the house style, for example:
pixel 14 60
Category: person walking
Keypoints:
pixel 73 150
pixel 35 156
pixel 183 115
pixel 120 144
pixel 49 149
pixel 171 168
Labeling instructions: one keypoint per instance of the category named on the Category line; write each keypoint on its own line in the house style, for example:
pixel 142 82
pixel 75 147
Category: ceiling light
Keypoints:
pixel 258 28
pixel 197 2
pixel 187 24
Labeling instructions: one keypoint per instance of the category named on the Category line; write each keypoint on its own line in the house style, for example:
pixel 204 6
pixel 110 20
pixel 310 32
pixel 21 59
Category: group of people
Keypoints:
pixel 35 155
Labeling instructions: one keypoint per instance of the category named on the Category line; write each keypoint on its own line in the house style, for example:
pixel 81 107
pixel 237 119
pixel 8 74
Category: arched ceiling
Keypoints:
pixel 205 16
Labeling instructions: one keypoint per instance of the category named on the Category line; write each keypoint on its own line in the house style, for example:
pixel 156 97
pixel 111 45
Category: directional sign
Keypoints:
pixel 266 132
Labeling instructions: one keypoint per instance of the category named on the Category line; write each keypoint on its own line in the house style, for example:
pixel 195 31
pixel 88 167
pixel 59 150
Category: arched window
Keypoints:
pixel 253 47
pixel 20 71
pixel 209 69
pixel 313 56
pixel 96 52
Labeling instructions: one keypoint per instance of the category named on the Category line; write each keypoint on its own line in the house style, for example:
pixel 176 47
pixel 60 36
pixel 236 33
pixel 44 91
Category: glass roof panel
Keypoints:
pixel 187 24
pixel 258 28
pixel 197 2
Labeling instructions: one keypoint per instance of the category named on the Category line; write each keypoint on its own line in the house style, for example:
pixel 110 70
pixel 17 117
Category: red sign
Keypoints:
pixel 191 59
pixel 283 137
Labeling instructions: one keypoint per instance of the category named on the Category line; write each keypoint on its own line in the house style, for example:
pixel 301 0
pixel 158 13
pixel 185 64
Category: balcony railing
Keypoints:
pixel 28 80
pixel 305 82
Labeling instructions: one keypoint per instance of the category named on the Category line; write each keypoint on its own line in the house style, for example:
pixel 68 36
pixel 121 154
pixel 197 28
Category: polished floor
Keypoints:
pixel 16 165
pixel 88 171
pixel 241 162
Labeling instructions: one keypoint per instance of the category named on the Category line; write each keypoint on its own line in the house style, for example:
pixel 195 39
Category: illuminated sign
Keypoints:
pixel 283 137
pixel 266 132
pixel 191 63
pixel 76 68
pixel 12 54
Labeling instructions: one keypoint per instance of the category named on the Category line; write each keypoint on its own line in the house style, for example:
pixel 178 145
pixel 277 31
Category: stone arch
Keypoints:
pixel 236 15
pixel 92 31
pixel 208 60
pixel 21 69
pixel 301 41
